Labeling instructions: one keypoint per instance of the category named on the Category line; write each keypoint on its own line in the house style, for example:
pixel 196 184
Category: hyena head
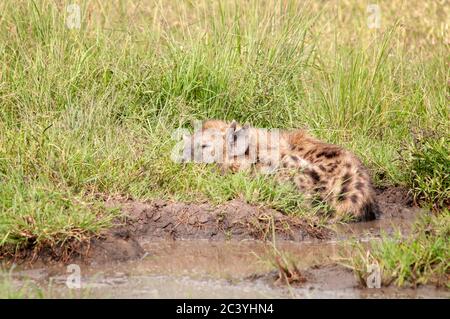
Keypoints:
pixel 237 140
pixel 216 142
pixel 204 146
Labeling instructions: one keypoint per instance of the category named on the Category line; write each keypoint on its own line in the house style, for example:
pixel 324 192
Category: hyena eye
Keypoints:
pixel 204 145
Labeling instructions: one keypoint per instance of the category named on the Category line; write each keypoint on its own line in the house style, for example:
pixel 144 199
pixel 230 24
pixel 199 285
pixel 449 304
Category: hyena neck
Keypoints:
pixel 295 140
pixel 304 144
pixel 215 125
pixel 267 148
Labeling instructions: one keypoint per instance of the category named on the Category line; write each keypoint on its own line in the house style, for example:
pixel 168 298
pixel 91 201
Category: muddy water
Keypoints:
pixel 204 269
pixel 233 269
pixel 387 225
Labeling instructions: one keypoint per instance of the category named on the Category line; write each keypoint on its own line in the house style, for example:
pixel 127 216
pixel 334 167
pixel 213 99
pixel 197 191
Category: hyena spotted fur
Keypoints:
pixel 322 171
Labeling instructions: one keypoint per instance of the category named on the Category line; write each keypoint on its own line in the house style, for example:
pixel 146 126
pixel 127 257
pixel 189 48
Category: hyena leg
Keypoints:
pixel 354 197
pixel 304 175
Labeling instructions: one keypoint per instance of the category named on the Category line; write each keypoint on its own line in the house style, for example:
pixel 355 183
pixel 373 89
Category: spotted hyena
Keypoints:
pixel 322 171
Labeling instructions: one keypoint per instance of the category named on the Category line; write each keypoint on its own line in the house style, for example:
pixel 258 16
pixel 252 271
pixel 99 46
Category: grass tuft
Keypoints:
pixel 429 170
pixel 419 258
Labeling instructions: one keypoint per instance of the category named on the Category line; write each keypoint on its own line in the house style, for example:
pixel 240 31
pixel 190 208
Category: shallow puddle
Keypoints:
pixel 205 269
pixel 219 268
pixel 384 225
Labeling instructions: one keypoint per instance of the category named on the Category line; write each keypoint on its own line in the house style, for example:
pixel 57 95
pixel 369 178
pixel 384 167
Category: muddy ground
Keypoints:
pixel 217 269
pixel 165 249
pixel 234 220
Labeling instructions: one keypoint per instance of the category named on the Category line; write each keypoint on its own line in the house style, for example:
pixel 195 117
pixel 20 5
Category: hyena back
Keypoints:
pixel 318 169
pixel 334 174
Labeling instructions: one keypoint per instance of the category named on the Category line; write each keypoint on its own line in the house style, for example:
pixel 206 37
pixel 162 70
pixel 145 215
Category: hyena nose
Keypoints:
pixel 183 159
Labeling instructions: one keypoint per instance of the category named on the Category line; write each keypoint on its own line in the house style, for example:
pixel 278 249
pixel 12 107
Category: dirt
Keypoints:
pixel 237 220
pixel 394 201
pixel 166 249
pixel 234 220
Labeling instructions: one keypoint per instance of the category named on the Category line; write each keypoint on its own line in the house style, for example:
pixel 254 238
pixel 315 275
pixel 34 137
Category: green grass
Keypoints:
pixel 38 214
pixel 419 258
pixel 90 111
pixel 428 162
pixel 422 257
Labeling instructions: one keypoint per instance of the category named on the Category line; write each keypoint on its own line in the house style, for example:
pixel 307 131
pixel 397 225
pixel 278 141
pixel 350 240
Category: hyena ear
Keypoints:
pixel 237 140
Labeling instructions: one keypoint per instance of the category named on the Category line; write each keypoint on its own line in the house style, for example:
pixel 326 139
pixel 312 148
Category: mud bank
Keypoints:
pixel 181 250
pixel 237 220
pixel 234 220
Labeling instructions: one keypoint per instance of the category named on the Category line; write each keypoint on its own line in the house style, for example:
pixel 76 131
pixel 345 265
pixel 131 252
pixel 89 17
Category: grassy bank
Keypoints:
pixel 422 256
pixel 90 111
